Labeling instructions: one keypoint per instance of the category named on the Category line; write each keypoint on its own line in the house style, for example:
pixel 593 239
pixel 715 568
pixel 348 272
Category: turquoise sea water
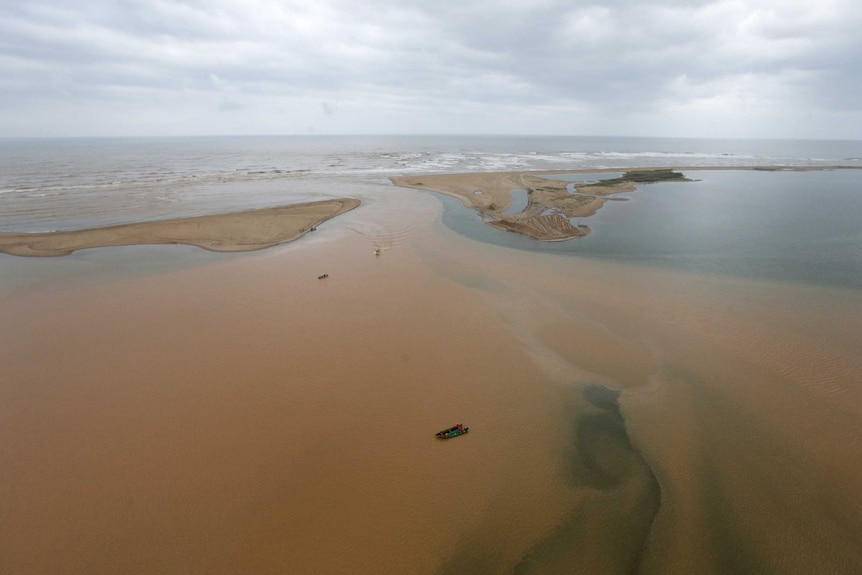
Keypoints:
pixel 787 225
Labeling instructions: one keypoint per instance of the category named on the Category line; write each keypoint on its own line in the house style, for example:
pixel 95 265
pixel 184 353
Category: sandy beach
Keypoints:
pixel 234 232
pixel 249 417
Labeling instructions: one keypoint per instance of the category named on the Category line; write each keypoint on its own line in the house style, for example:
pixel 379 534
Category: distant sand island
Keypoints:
pixel 550 205
pixel 233 232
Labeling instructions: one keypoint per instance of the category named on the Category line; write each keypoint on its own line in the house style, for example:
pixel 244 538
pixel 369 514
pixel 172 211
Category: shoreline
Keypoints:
pixel 547 216
pixel 550 206
pixel 241 231
pixel 490 194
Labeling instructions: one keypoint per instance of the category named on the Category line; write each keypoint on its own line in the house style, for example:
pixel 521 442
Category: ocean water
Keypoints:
pixel 798 226
pixel 50 184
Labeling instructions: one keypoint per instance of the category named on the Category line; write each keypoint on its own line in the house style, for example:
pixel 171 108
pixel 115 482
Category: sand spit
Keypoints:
pixel 233 232
pixel 549 208
pixel 550 205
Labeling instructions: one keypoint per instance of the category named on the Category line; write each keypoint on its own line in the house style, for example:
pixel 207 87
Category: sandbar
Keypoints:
pixel 231 232
pixel 550 205
pixel 549 208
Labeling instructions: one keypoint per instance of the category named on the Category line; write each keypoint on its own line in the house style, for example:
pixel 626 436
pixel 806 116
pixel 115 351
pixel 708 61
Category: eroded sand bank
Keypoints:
pixel 233 232
pixel 249 417
pixel 548 211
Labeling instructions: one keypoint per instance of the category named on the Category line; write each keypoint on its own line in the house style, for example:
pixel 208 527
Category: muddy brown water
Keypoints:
pixel 247 417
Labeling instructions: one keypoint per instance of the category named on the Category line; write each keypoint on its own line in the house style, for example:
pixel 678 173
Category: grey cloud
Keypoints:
pixel 228 106
pixel 603 58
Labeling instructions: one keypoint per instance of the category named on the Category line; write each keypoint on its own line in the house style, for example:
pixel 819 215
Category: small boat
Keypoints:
pixel 453 431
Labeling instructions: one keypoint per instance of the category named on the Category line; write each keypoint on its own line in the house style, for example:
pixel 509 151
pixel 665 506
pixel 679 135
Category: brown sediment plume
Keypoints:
pixel 233 232
pixel 248 418
pixel 739 398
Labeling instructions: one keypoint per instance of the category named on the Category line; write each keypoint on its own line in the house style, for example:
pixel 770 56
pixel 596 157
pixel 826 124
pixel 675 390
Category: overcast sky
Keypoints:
pixel 699 68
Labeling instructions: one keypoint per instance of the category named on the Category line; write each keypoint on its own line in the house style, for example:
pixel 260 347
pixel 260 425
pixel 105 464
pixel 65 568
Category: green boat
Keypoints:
pixel 453 431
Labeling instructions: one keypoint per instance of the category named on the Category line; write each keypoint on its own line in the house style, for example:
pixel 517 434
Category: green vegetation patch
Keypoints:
pixel 643 177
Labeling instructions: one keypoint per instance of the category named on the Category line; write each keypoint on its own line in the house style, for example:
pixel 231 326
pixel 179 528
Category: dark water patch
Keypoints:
pixel 608 533
pixel 604 398
pixel 601 455
pixel 472 557
pixel 731 551
pixel 603 450
pixel 520 199
pixel 616 498
pixel 571 549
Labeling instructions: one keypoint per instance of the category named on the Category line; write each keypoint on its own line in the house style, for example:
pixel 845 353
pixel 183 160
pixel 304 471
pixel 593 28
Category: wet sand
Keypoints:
pixel 248 417
pixel 233 232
